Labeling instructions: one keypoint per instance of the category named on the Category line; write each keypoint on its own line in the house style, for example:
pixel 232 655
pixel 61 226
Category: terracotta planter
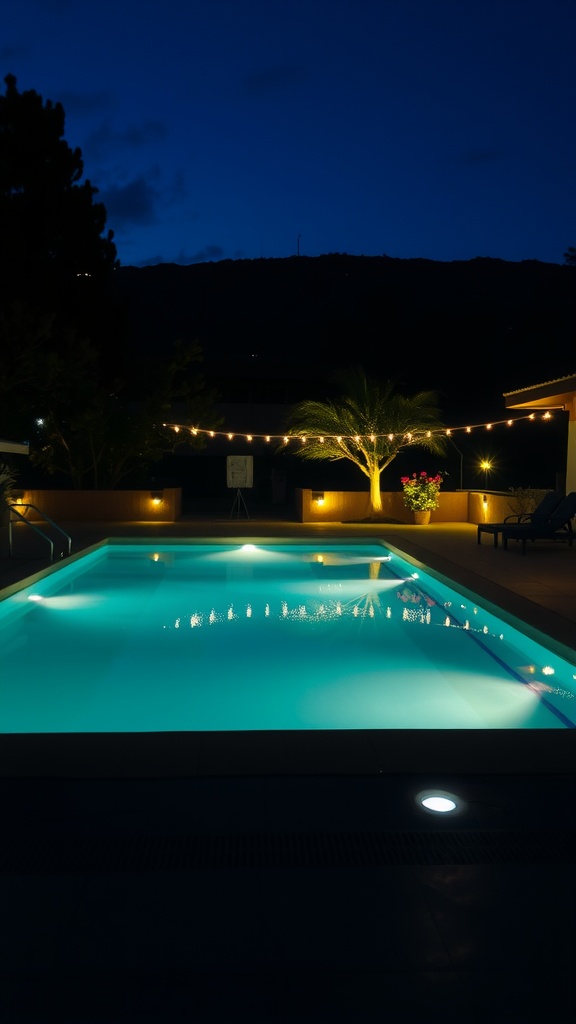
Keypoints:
pixel 422 518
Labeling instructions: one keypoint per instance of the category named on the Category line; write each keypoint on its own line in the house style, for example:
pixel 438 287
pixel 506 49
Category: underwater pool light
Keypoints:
pixel 438 801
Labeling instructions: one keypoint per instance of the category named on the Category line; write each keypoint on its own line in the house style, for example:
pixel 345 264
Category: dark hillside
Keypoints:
pixel 272 330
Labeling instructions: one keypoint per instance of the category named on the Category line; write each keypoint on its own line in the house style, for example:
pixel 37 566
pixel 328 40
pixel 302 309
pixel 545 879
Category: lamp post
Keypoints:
pixel 461 460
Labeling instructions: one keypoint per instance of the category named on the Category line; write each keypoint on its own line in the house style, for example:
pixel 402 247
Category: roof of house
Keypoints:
pixel 551 394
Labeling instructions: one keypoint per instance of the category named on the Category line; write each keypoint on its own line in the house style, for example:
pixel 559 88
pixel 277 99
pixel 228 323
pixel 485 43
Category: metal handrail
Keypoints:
pixel 13 509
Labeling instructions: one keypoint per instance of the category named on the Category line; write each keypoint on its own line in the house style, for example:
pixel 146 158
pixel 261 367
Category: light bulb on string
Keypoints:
pixel 409 438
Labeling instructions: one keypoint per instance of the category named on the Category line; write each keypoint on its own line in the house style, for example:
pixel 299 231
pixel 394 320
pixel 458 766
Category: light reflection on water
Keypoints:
pixel 218 637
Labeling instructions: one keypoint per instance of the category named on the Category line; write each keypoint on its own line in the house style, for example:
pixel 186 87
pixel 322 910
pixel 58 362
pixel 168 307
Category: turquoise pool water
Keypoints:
pixel 234 637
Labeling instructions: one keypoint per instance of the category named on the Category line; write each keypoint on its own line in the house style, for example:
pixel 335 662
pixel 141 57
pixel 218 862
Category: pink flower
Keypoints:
pixel 421 490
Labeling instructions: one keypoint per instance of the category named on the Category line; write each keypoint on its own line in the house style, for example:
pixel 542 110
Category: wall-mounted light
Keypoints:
pixel 318 497
pixel 157 497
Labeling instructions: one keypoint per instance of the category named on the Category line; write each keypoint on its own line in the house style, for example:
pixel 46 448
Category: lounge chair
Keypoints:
pixel 557 526
pixel 545 507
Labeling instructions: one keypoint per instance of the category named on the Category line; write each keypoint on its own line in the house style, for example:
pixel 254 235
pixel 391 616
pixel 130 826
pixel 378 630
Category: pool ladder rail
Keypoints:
pixel 21 518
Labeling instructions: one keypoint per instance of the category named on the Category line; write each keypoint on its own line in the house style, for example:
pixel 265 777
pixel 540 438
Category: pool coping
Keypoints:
pixel 295 752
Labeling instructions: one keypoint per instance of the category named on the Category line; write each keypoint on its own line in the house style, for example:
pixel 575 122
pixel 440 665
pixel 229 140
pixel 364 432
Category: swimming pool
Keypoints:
pixel 266 637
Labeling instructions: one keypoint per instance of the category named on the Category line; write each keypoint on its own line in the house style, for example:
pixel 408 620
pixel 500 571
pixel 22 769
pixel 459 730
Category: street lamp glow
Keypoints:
pixel 486 466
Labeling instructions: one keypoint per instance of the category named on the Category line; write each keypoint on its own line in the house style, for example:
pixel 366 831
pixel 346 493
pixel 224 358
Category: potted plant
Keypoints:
pixel 421 494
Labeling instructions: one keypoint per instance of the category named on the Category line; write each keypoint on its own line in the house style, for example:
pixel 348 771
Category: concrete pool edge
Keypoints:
pixel 517 610
pixel 350 752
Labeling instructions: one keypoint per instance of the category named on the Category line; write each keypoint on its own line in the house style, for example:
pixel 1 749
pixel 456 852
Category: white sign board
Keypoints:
pixel 239 472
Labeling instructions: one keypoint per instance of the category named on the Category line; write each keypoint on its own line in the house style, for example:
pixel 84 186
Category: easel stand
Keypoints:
pixel 238 505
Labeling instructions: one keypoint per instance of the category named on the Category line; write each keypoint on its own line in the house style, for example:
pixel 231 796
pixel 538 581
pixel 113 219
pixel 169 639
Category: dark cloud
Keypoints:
pixel 10 53
pixel 81 104
pixel 150 131
pixel 274 79
pixel 176 193
pixel 152 261
pixel 134 203
pixel 208 254
pixel 205 255
pixel 105 141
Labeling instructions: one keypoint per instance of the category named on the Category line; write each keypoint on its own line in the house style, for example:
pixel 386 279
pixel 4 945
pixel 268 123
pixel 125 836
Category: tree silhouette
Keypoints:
pixel 68 380
pixel 570 256
pixel 52 228
pixel 102 433
pixel 369 425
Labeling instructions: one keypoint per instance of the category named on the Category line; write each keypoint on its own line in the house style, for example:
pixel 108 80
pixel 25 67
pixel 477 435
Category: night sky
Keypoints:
pixel 240 129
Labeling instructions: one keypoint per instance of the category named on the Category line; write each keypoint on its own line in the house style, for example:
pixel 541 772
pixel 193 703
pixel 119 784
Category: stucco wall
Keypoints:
pixel 454 507
pixel 106 506
pixel 339 506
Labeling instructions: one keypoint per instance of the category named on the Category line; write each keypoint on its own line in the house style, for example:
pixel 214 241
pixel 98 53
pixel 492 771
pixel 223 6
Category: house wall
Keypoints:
pixel 571 452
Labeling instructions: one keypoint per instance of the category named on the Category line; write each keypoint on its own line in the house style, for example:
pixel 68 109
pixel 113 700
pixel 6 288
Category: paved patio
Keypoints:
pixel 311 896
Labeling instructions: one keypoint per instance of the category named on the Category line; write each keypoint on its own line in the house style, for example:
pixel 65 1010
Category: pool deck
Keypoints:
pixel 318 892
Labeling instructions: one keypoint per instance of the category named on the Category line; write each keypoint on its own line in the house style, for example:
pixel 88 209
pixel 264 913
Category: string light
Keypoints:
pixel 410 437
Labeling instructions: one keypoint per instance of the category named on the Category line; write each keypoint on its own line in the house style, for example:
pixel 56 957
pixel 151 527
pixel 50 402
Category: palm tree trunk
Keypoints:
pixel 375 495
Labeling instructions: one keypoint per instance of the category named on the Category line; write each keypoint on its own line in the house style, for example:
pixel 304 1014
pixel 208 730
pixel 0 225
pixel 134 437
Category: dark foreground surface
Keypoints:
pixel 316 895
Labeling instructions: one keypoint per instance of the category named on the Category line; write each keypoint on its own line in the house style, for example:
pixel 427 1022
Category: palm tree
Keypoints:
pixel 7 481
pixel 370 425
